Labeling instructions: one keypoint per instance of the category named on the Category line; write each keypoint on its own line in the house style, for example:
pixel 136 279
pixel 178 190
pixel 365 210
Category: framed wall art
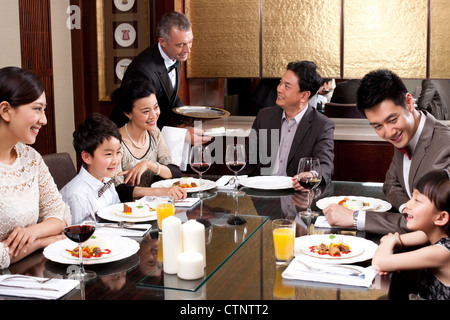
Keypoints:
pixel 123 31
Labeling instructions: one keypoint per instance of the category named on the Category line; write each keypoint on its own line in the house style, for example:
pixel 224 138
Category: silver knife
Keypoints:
pixel 30 288
pixel 124 226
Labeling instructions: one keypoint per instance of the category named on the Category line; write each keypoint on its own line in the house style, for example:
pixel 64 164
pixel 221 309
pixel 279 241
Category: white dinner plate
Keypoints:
pixel 115 212
pixel 267 182
pixel 376 205
pixel 206 184
pixel 369 248
pixel 124 248
pixel 304 243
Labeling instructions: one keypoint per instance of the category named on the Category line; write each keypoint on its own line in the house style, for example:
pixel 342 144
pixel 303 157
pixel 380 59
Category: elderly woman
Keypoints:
pixel 32 211
pixel 145 152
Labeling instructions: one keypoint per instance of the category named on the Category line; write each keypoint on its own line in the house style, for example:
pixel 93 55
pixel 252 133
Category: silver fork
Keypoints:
pixel 356 272
pixel 29 277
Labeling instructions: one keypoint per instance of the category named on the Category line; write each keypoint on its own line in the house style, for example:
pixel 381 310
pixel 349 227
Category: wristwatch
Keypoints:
pixel 355 218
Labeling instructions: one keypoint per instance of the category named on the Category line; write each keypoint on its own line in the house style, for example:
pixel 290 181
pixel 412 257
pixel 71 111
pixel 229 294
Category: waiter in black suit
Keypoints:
pixel 160 64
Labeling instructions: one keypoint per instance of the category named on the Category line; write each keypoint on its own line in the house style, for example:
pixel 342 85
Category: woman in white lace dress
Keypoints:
pixel 32 213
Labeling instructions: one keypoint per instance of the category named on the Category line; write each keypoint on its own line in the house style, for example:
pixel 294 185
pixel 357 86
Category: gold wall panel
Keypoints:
pixel 226 38
pixel 301 30
pixel 388 34
pixel 439 40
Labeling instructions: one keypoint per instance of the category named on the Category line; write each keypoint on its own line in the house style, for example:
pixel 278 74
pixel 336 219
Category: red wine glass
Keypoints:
pixel 235 161
pixel 200 161
pixel 309 176
pixel 80 234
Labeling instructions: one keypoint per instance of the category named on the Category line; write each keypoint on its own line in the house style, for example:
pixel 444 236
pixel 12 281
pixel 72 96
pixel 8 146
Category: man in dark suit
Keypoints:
pixel 435 98
pixel 160 64
pixel 345 92
pixel 292 129
pixel 421 145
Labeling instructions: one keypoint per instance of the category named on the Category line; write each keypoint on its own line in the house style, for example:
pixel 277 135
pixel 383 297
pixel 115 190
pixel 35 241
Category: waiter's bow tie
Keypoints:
pixel 405 152
pixel 172 67
pixel 105 187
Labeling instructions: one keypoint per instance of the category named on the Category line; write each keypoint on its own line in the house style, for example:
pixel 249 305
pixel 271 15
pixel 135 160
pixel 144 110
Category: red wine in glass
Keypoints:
pixel 200 167
pixel 80 233
pixel 309 183
pixel 236 166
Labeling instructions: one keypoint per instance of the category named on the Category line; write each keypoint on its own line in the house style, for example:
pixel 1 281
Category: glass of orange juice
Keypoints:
pixel 283 240
pixel 165 207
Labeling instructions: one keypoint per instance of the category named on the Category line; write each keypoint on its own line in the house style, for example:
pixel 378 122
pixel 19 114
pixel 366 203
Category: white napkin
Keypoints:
pixel 179 148
pixel 321 222
pixel 299 271
pixel 227 182
pixel 63 287
pixel 124 232
pixel 186 203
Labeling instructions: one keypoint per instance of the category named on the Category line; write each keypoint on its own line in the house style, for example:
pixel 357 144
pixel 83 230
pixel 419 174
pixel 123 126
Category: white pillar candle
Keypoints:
pixel 172 243
pixel 193 233
pixel 190 265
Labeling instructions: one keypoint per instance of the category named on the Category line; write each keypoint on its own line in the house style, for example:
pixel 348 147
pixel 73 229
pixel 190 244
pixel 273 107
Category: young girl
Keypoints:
pixel 428 214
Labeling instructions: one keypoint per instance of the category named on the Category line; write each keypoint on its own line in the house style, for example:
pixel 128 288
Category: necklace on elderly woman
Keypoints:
pixel 135 144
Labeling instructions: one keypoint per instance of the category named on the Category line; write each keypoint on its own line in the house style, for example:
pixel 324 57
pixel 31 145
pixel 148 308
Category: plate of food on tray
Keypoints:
pixel 188 183
pixel 355 203
pixel 137 211
pixel 96 250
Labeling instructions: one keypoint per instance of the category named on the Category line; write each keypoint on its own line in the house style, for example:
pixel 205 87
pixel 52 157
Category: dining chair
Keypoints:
pixel 342 110
pixel 61 168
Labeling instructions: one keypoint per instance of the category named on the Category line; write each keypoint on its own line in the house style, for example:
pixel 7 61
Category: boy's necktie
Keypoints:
pixel 105 187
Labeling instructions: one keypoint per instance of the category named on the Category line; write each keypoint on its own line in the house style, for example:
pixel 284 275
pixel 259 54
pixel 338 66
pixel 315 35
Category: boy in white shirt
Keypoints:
pixel 97 142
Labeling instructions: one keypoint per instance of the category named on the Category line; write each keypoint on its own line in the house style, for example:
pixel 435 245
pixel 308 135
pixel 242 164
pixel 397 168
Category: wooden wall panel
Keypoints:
pixel 226 38
pixel 36 46
pixel 385 34
pixel 439 40
pixel 362 160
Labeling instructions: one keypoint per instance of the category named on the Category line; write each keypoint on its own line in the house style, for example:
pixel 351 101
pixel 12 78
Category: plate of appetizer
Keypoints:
pixel 334 249
pixel 96 250
pixel 138 211
pixel 188 183
pixel 355 203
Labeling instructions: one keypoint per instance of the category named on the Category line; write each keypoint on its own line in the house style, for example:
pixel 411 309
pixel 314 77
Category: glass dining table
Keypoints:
pixel 240 263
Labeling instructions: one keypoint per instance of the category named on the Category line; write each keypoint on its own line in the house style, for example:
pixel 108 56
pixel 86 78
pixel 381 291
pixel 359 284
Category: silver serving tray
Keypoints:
pixel 201 112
